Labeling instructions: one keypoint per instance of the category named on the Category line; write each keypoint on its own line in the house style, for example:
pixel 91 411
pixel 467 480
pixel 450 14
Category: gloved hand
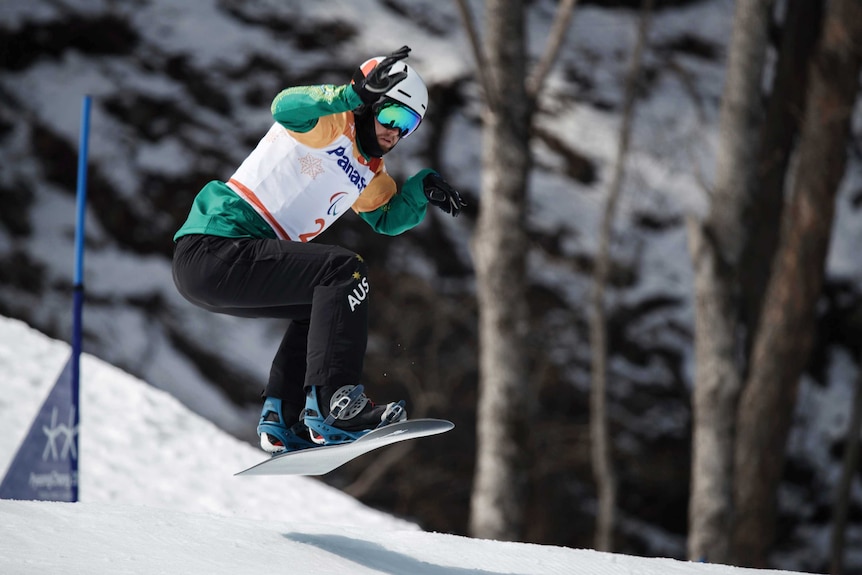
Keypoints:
pixel 378 81
pixel 441 194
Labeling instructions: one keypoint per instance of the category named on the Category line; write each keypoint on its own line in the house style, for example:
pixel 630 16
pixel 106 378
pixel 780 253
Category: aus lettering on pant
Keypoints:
pixel 359 294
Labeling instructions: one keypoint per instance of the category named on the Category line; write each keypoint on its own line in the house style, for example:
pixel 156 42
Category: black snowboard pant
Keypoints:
pixel 321 289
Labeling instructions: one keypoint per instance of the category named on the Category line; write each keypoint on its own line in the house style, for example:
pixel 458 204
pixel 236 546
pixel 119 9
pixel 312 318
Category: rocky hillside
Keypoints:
pixel 181 94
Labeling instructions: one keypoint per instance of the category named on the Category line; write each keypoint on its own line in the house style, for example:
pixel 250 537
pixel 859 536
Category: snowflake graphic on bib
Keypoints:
pixel 310 166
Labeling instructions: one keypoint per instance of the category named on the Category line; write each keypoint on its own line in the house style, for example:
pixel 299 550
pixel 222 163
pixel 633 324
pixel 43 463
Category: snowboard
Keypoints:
pixel 323 459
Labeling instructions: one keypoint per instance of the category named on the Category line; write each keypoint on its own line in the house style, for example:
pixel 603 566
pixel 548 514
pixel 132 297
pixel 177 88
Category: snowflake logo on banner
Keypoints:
pixel 55 432
pixel 311 166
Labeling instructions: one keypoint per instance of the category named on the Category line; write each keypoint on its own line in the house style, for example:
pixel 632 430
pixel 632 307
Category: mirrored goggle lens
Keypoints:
pixel 398 117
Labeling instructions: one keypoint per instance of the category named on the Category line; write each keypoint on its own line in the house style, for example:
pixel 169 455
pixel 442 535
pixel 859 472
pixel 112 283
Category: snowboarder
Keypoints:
pixel 244 248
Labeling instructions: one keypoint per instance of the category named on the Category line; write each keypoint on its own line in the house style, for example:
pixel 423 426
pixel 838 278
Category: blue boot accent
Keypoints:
pixel 275 436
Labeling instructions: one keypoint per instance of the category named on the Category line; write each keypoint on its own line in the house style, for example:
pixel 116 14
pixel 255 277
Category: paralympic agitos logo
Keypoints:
pixel 333 204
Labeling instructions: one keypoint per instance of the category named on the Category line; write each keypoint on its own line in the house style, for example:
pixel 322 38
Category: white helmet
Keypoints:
pixel 411 91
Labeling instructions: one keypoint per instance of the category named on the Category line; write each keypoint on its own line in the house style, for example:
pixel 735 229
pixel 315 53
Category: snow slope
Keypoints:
pixel 158 495
pixel 140 446
pixel 88 538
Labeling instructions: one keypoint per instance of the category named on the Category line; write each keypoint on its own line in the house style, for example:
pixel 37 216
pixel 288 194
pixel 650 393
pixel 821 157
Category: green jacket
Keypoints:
pixel 218 210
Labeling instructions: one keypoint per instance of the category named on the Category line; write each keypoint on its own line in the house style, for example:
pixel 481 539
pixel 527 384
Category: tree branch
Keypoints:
pixel 481 63
pixel 558 33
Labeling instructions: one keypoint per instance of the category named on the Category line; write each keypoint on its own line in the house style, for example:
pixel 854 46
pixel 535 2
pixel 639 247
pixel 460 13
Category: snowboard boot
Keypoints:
pixel 275 436
pixel 341 414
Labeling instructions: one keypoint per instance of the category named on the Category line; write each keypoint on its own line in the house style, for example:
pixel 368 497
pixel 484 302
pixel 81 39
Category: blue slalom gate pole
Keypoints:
pixel 78 295
pixel 78 287
pixel 45 468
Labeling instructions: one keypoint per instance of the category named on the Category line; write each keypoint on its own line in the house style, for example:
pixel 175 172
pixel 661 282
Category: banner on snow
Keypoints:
pixel 46 465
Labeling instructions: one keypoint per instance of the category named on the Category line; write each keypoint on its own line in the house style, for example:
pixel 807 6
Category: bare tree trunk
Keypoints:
pixel 602 453
pixel 716 246
pixel 783 343
pixel 848 470
pixel 499 484
pixel 500 255
pixel 780 131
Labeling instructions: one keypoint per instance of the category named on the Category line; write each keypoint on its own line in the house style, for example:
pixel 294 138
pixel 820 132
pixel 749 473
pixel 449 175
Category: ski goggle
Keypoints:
pixel 397 116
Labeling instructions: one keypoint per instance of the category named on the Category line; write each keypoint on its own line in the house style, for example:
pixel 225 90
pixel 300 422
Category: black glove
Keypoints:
pixel 378 81
pixel 441 194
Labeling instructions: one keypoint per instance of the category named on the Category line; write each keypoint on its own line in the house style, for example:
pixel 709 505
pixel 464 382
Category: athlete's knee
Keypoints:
pixel 347 267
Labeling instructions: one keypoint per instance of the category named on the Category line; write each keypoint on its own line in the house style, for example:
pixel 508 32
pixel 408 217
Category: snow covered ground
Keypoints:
pixel 158 495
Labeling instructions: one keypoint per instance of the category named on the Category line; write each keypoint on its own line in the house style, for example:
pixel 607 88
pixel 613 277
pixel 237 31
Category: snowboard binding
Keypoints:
pixel 349 415
pixel 275 436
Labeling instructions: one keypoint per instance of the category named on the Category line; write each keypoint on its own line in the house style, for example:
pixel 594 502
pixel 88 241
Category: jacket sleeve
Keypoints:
pixel 404 210
pixel 299 108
